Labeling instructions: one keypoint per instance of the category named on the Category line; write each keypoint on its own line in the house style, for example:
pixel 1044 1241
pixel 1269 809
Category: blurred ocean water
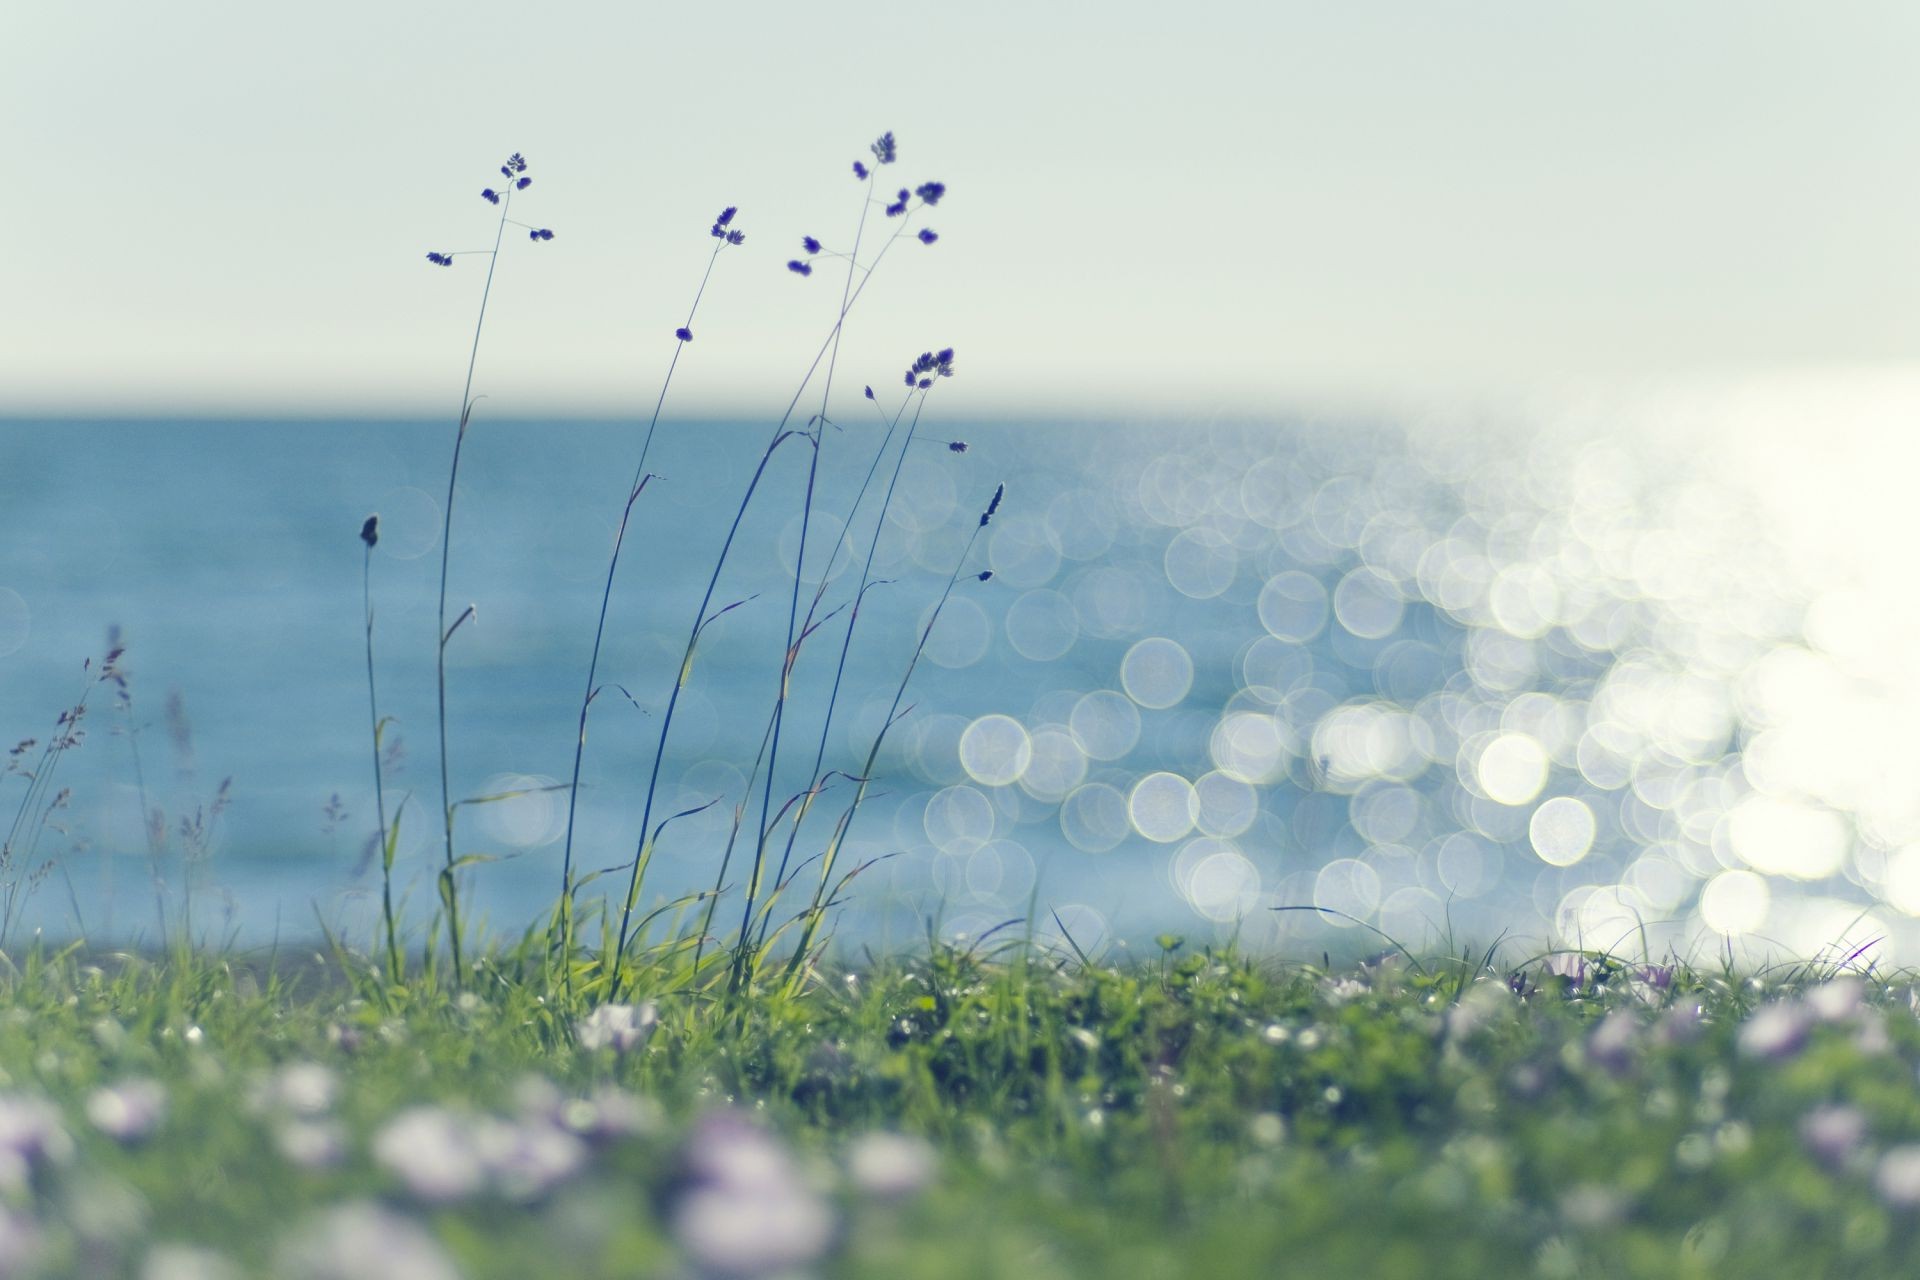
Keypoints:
pixel 1449 681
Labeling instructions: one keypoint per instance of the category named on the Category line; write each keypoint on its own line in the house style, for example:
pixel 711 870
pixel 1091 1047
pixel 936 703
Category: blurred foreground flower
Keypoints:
pixel 31 1139
pixel 622 1027
pixel 362 1241
pixel 745 1211
pixel 128 1111
pixel 890 1166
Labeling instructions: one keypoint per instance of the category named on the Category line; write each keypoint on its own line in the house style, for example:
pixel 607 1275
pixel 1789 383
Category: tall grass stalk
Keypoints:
pixel 449 889
pixel 723 235
pixel 917 398
pixel 396 970
pixel 790 653
pixel 821 894
pixel 702 616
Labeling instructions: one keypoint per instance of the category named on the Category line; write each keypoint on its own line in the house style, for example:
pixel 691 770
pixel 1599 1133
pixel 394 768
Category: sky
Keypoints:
pixel 1198 207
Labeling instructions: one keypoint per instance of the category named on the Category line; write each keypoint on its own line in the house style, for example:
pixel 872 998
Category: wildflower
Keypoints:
pixel 998 493
pixel 370 531
pixel 928 235
pixel 985 575
pixel 362 1241
pixel 544 233
pixel 890 1166
pixel 1835 1001
pixel 523 184
pixel 1610 1047
pixel 517 163
pixel 683 333
pixel 809 244
pixel 1897 1178
pixel 1681 1024
pixel 726 215
pixel 800 268
pixel 930 192
pixel 1570 965
pixel 884 149
pixel 432 1151
pixel 1775 1032
pixel 1832 1134
pixel 31 1139
pixel 311 1144
pixel 129 1111
pixel 746 1211
pixel 525 1161
pixel 869 393
pixel 619 1026
pixel 897 208
pixel 719 229
pixel 440 259
pixel 490 195
pixel 181 1262
pixel 956 446
pixel 736 237
pixel 859 170
pixel 299 1088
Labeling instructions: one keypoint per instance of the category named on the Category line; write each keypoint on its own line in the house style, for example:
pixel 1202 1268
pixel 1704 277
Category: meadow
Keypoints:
pixel 685 1054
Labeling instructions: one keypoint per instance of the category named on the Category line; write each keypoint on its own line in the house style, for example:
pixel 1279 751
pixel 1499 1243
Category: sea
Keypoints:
pixel 1290 682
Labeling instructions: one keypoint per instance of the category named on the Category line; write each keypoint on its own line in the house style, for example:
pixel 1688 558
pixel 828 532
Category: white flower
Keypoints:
pixel 1836 1001
pixel 128 1111
pixel 890 1166
pixel 1898 1177
pixel 622 1026
pixel 433 1152
pixel 187 1262
pixel 362 1241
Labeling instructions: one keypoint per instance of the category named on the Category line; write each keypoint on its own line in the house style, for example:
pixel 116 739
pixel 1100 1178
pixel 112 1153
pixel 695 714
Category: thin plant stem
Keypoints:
pixel 853 617
pixel 395 970
pixel 599 632
pixel 450 891
pixel 789 655
pixel 701 619
pixel 814 909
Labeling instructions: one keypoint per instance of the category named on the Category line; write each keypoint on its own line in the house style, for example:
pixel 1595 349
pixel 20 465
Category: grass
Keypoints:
pixel 1207 1114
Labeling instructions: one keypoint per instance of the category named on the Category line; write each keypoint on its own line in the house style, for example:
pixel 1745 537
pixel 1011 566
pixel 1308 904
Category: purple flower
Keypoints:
pixel 490 195
pixel 897 208
pixel 746 1211
pixel 928 235
pixel 517 163
pixel 1833 1133
pixel 370 531
pixel 523 184
pixel 809 244
pixel 993 506
pixel 736 237
pixel 956 446
pixel 543 233
pixel 1775 1032
pixel 433 1152
pixel 440 259
pixel 859 170
pixel 726 215
pixel 930 192
pixel 800 268
pixel 884 149
pixel 1610 1047
pixel 683 333
pixel 985 575
pixel 869 393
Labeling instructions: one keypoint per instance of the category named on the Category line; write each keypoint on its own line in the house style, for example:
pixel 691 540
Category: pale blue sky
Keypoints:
pixel 1202 204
